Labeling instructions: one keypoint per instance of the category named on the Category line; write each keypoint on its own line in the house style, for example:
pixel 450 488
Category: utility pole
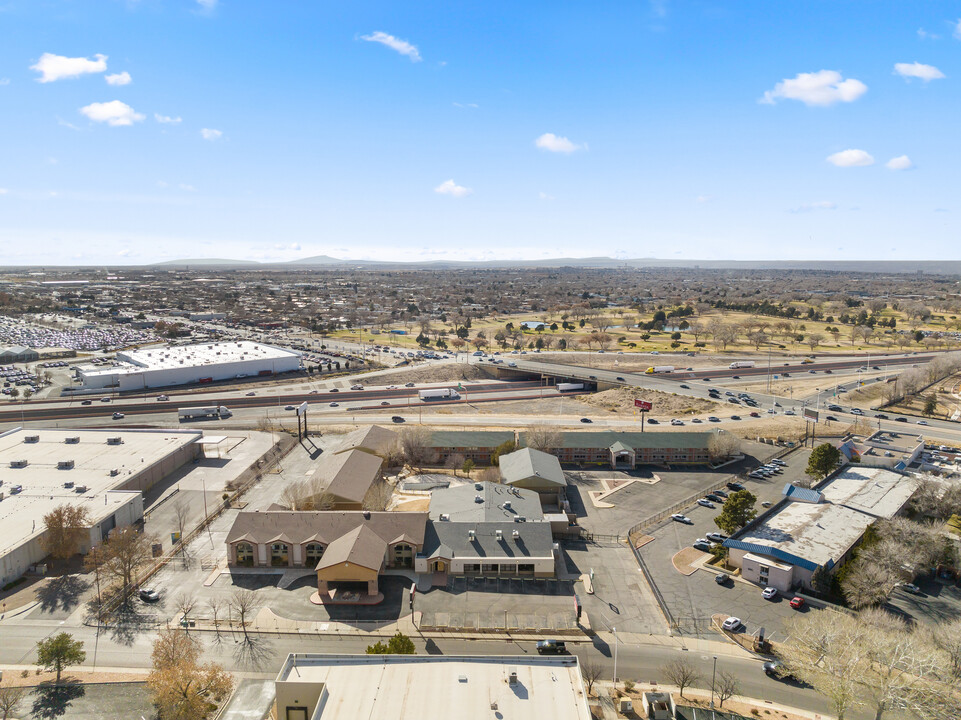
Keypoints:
pixel 713 676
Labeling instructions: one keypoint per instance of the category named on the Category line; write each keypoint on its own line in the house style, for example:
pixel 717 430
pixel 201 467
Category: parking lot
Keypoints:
pixel 936 604
pixel 693 599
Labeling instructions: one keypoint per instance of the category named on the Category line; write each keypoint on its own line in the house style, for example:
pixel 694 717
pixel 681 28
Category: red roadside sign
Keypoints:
pixel 643 404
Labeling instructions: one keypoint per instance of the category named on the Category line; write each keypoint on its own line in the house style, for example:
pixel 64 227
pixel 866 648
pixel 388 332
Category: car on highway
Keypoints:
pixel 397 419
pixel 755 414
pixel 333 390
pixel 722 578
pixel 118 416
pixel 922 422
pixel 104 399
pixel 410 384
pixel 621 379
pixel 857 411
pixel 900 419
pixel 512 364
pixel 356 387
pixel 696 420
pixel 735 377
pixel 652 421
pixel 685 387
pixel 288 407
pixel 592 377
pixel 704 502
pixel 162 398
pixel 86 402
pixel 797 602
pixel 769 593
pixel 586 420
pixel 675 421
pixel 735 417
pixel 384 402
pixel 831 417
pixel 881 416
pixel 732 624
pixel 677 517
pixel 551 647
pixel 333 404
pixel 251 393
pixel 714 419
pixel 148 595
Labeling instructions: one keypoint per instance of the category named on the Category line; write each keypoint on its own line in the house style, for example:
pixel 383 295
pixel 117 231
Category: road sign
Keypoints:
pixel 643 404
pixel 810 414
pixel 302 408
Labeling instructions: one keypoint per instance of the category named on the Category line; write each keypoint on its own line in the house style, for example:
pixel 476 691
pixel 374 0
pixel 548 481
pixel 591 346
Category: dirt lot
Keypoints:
pixel 947 393
pixel 621 401
pixel 634 362
pixel 436 373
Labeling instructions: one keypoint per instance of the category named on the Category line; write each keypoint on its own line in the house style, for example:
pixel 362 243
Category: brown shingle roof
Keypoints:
pixel 259 526
pixel 349 475
pixel 361 546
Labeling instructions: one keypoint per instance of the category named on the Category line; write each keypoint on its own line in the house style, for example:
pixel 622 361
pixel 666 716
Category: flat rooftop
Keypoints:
pixel 414 687
pixel 21 514
pixel 200 355
pixel 875 491
pixel 818 532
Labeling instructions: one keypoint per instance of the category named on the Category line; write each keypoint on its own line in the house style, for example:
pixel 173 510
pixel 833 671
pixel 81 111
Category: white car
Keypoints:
pixel 732 623
pixel 769 593
pixel 333 404
pixel 675 421
pixel 704 502
pixel 922 422
pixel 677 517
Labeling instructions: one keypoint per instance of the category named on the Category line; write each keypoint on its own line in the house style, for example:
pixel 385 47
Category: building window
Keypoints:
pixel 403 555
pixel 279 554
pixel 245 554
pixel 507 569
pixel 526 568
pixel 489 568
pixel 313 553
pixel 472 567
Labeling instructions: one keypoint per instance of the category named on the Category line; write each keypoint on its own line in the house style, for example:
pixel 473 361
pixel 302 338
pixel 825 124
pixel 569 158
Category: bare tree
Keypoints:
pixel 185 602
pixel 681 673
pixel 591 670
pixel 181 512
pixel 378 496
pixel 415 441
pixel 216 606
pixel 491 474
pixel 727 686
pixel 866 584
pixel 242 603
pixel 723 444
pixel 543 437
pixel 10 697
pixel 123 554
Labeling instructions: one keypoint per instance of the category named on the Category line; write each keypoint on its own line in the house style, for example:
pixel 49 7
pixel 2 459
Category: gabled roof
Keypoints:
pixel 361 546
pixel 635 440
pixel 348 475
pixel 469 438
pixel 375 438
pixel 528 463
pixel 799 494
pixel 258 526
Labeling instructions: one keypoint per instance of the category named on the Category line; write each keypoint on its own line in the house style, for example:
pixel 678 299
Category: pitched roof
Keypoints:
pixel 799 494
pixel 259 526
pixel 529 463
pixel 534 540
pixel 499 503
pixel 348 475
pixel 636 440
pixel 375 438
pixel 469 438
pixel 361 546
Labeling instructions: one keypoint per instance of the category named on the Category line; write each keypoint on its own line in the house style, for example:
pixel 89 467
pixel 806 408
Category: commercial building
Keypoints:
pixel 102 471
pixel 344 479
pixel 535 470
pixel 18 353
pixel 626 450
pixel 415 687
pixel 817 527
pixel 187 364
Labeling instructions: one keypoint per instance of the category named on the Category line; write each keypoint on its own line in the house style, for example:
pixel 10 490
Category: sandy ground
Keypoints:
pixel 435 373
pixel 70 675
pixel 621 401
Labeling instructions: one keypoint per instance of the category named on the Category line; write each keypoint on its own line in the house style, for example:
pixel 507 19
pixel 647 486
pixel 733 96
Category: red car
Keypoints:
pixel 797 603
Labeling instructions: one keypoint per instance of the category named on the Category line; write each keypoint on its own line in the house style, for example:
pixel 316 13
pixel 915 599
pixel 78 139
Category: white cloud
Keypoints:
pixel 187 188
pixel 401 46
pixel 925 35
pixel 851 158
pixel 556 143
pixel 113 113
pixel 292 246
pixel 811 207
pixel 210 133
pixel 472 106
pixel 449 187
pixel 57 67
pixel 162 183
pixel 3 191
pixel 824 87
pixel 166 119
pixel 957 29
pixel 545 196
pixel 207 5
pixel 918 70
pixel 122 78
pixel 4 81
pixel 702 199
pixel 901 162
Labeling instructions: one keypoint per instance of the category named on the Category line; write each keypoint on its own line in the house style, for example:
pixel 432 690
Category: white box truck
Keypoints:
pixel 438 394
pixel 211 411
pixel 569 387
pixel 658 369
pixel 742 364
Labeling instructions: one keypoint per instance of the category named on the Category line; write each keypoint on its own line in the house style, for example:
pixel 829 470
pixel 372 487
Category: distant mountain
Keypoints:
pixel 318 260
pixel 206 262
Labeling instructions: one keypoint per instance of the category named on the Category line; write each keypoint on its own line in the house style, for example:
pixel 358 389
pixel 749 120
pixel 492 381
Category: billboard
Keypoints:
pixel 643 405
pixel 302 408
pixel 810 414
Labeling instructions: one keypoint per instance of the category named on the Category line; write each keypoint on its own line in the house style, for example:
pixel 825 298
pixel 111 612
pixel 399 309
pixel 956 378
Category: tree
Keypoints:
pixel 378 496
pixel 681 673
pixel 181 688
pixel 821 580
pixel 468 466
pixel 866 583
pixel 10 697
pixel 60 651
pixel 543 437
pixel 930 404
pixel 414 442
pixel 124 553
pixel 727 686
pixel 65 528
pixel 242 603
pixel 722 445
pixel 591 670
pixel 186 602
pixel 399 644
pixel 738 511
pixel 823 461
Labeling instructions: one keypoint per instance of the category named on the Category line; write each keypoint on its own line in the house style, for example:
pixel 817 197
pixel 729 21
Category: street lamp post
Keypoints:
pixel 614 630
pixel 713 676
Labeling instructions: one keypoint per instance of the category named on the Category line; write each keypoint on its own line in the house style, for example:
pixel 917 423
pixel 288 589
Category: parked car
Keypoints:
pixel 732 624
pixel 702 546
pixel 735 486
pixel 704 502
pixel 551 647
pixel 769 593
pixel 721 493
pixel 677 517
pixel 722 578
pixel 714 497
pixel 716 536
pixel 149 595
pixel 797 602
pixel 911 588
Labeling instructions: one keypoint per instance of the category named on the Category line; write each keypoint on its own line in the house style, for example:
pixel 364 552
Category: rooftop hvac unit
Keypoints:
pixel 18 463
pixel 31 439
pixel 520 518
pixel 444 517
pixel 512 678
pixel 68 484
pixel 499 534
pixel 471 535
pixel 507 505
pixel 72 440
pixel 80 489
pixel 515 534
pixel 115 440
pixel 65 465
pixel 478 486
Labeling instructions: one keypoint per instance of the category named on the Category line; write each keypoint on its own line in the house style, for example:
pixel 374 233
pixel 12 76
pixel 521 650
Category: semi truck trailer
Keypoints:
pixel 568 387
pixel 658 369
pixel 211 411
pixel 742 364
pixel 438 394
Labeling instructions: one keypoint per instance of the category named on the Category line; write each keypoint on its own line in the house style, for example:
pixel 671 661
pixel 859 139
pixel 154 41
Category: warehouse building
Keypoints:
pixel 18 353
pixel 103 471
pixel 188 364
pixel 414 687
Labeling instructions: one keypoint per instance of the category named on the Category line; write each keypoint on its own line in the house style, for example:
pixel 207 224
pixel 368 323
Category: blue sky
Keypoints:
pixel 143 131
